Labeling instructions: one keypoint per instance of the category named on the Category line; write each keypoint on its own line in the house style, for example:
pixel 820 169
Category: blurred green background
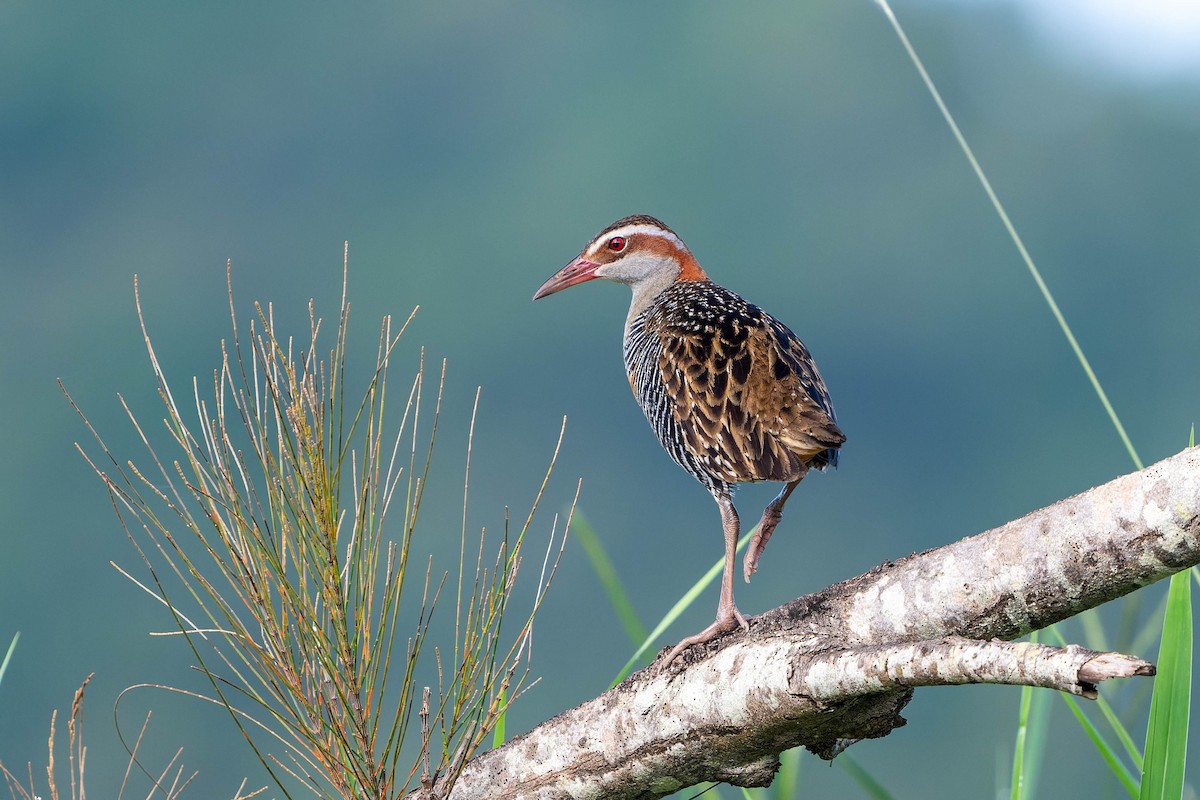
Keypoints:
pixel 467 151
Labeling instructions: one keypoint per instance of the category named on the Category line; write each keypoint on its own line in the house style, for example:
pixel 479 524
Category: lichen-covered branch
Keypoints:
pixel 1026 574
pixel 958 660
pixel 837 666
pixel 727 717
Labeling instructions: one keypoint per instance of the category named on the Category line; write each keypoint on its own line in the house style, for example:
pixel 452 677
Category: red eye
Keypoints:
pixel 616 244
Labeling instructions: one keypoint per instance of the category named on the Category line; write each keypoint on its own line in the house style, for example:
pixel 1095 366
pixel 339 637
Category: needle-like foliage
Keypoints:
pixel 285 518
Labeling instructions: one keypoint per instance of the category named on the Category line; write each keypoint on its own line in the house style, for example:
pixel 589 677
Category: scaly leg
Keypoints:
pixel 770 518
pixel 728 617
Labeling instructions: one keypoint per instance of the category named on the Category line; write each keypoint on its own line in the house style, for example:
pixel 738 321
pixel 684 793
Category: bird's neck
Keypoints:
pixel 644 293
pixel 647 289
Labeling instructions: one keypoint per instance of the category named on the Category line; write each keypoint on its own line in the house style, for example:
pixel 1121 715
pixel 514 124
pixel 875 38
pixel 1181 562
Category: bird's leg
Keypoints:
pixel 770 518
pixel 728 616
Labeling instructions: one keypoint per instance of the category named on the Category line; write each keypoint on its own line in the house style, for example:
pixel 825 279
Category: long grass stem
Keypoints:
pixel 1012 231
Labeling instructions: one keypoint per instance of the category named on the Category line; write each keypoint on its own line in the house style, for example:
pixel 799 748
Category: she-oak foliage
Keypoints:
pixel 268 534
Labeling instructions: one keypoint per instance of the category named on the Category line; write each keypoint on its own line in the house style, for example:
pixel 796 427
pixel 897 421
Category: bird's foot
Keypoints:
pixel 726 622
pixel 758 542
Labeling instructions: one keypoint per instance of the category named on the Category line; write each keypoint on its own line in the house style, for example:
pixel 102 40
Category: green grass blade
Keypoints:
pixel 1151 630
pixel 603 567
pixel 1016 786
pixel 1103 747
pixel 8 655
pixel 1123 736
pixel 498 731
pixel 1033 721
pixel 1094 636
pixel 787 780
pixel 680 606
pixel 865 780
pixel 1035 741
pixel 1110 715
pixel 1166 736
pixel 1012 231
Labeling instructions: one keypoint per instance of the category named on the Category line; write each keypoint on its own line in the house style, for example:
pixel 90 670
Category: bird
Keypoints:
pixel 731 393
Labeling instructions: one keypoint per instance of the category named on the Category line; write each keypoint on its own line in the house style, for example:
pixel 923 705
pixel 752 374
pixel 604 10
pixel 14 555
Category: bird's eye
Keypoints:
pixel 616 244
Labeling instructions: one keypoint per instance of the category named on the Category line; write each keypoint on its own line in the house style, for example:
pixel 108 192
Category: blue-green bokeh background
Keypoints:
pixel 468 150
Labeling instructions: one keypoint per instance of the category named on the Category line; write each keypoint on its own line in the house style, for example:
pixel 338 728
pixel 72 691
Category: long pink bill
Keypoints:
pixel 577 271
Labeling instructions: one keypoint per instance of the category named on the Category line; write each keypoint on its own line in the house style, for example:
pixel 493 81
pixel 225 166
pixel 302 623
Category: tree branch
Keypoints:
pixel 956 660
pixel 837 666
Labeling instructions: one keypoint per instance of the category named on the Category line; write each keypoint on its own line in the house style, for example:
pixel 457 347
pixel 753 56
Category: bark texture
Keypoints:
pixel 837 666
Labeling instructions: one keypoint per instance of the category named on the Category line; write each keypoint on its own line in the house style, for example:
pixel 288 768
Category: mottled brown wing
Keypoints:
pixel 748 399
pixel 811 422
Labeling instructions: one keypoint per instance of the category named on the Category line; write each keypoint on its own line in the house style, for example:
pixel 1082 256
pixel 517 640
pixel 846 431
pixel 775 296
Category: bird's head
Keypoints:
pixel 639 251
